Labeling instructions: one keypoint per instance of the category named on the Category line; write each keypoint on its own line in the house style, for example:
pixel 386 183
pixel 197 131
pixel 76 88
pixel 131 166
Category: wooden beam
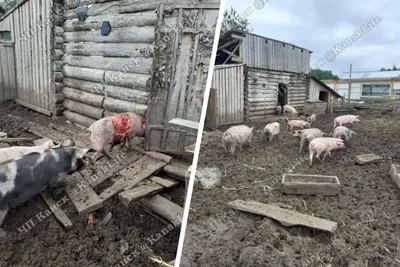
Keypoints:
pixel 164 207
pixel 58 212
pixel 284 216
pixel 35 108
pixel 227 44
pixel 237 37
pixel 137 193
pixel 231 53
pixel 14 140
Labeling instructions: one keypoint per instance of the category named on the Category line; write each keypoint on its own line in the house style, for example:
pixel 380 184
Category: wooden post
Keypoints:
pixel 350 82
pixel 391 90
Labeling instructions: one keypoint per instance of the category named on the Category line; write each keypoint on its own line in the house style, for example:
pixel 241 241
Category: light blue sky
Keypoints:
pixel 319 25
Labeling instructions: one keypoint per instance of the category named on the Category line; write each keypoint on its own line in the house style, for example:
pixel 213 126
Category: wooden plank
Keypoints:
pixel 137 193
pixel 85 200
pixel 33 107
pixel 133 175
pixel 284 216
pixel 14 140
pixel 159 156
pixel 58 212
pixel 163 207
pixel 165 182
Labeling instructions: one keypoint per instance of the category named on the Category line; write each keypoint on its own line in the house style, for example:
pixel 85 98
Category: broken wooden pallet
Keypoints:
pixel 367 158
pixel 82 196
pixel 133 175
pixel 137 193
pixel 284 216
pixel 307 184
pixel 57 212
pixel 176 169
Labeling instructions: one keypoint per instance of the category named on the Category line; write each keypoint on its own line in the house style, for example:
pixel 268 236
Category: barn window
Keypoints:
pixel 376 90
pixel 5 35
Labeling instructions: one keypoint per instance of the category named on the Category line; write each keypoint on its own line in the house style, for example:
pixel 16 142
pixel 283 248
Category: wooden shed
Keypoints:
pixel 153 62
pixel 364 85
pixel 320 91
pixel 272 71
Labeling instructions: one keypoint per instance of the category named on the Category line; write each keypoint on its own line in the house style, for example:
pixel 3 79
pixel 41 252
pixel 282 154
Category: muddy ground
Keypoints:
pixel 367 210
pixel 48 244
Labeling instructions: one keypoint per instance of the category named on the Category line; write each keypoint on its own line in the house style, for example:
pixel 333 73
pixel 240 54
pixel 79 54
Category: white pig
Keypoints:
pixel 342 131
pixel 271 130
pixel 312 118
pixel 278 110
pixel 297 124
pixel 324 144
pixel 308 135
pixel 237 136
pixel 290 109
pixel 345 119
pixel 13 152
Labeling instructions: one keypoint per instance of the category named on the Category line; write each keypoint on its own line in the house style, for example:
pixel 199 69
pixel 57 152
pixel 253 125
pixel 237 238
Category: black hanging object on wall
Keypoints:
pixel 81 13
pixel 105 28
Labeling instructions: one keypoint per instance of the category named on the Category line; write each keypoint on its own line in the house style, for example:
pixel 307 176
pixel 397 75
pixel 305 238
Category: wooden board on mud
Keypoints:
pixel 284 216
pixel 165 208
pixel 58 212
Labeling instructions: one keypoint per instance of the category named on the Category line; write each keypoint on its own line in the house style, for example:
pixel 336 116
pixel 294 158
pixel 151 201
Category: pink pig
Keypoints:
pixel 324 144
pixel 345 119
pixel 297 123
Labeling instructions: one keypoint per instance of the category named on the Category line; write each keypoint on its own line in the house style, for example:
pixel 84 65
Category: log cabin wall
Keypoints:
pixel 153 46
pixel 261 91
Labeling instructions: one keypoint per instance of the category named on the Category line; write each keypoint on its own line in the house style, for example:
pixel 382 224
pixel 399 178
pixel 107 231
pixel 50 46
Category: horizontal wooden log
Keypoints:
pixel 117 7
pixel 78 119
pixel 56 88
pixel 59 40
pixel 58 31
pixel 130 80
pixel 127 94
pixel 116 21
pixel 83 109
pixel 58 76
pixel 83 97
pixel 91 87
pixel 58 20
pixel 58 98
pixel 131 65
pixel 116 105
pixel 58 65
pixel 165 208
pixel 58 109
pixel 57 54
pixel 109 50
pixel 128 35
pixel 137 193
pixel 86 74
pixel 108 113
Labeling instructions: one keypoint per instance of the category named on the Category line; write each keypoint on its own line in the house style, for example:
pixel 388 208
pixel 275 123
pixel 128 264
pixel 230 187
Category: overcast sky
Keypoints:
pixel 319 25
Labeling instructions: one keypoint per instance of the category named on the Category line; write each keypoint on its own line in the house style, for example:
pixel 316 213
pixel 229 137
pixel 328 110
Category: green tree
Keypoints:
pixel 323 74
pixel 383 69
pixel 394 67
pixel 233 21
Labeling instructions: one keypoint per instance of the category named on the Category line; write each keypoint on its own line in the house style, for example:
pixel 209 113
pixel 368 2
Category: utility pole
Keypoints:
pixel 350 82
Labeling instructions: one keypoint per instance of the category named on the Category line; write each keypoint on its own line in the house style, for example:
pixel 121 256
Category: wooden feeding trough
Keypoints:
pixel 367 158
pixel 305 184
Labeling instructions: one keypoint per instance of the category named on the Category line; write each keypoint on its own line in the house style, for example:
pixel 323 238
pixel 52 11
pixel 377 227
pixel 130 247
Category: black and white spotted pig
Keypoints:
pixel 24 177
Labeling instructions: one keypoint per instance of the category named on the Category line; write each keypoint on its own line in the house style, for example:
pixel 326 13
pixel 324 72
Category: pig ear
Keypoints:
pixel 80 153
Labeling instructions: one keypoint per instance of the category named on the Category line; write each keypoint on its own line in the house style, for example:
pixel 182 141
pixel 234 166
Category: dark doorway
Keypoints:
pixel 323 96
pixel 282 94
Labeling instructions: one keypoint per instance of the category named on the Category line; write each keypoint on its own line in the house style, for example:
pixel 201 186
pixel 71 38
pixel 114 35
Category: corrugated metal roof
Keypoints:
pixel 370 74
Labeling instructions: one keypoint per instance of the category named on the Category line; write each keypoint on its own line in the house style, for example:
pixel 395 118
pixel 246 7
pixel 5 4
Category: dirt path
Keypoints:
pixel 47 244
pixel 367 210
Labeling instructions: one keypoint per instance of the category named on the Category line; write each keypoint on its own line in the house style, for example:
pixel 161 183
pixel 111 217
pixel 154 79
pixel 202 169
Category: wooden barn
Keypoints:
pixel 89 59
pixel 271 74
